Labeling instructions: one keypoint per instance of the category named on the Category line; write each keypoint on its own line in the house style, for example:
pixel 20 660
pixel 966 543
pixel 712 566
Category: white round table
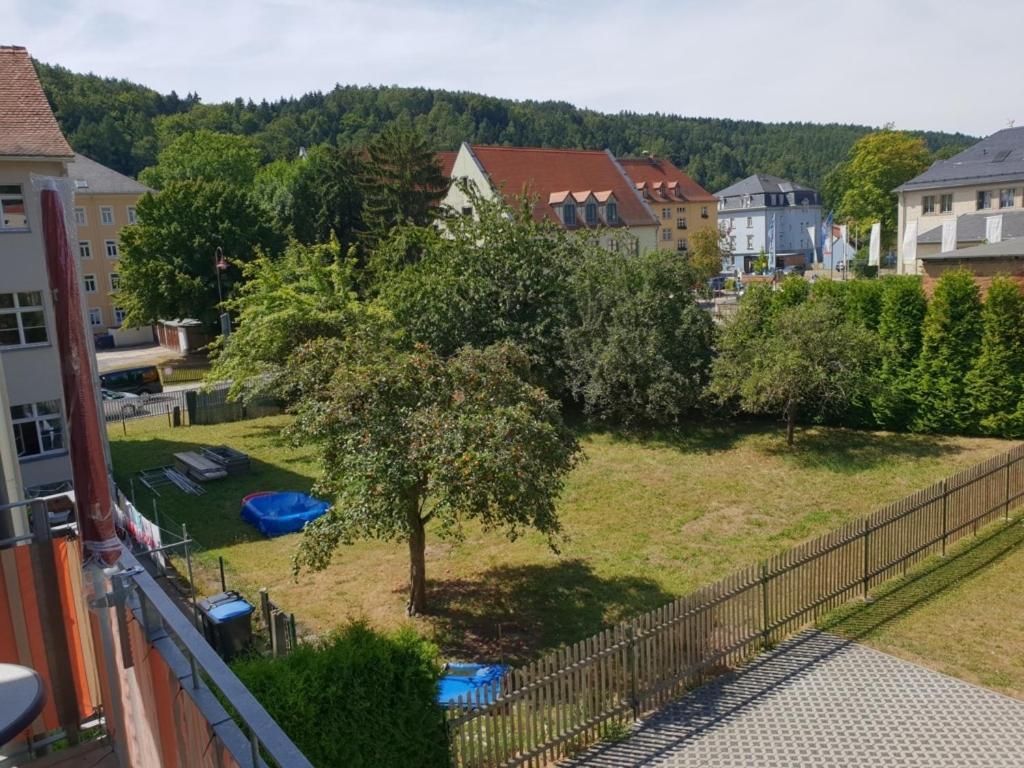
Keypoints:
pixel 21 699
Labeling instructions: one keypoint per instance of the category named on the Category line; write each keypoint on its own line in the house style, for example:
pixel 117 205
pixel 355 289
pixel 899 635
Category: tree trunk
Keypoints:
pixel 790 423
pixel 417 563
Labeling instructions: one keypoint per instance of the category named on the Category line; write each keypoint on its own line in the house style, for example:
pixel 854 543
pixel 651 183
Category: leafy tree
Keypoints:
pixel 793 290
pixel 877 164
pixel 402 181
pixel 497 276
pixel 411 438
pixel 639 348
pixel 707 252
pixel 808 361
pixel 205 156
pixel 995 384
pixel 167 263
pixel 950 342
pixel 273 189
pixel 327 197
pixel 307 293
pixel 900 321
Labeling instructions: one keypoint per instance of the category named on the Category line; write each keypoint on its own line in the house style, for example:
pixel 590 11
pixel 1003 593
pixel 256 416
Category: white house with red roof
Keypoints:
pixel 580 190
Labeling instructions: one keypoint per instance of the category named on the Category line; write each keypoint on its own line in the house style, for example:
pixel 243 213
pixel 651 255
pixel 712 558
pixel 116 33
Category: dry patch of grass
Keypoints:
pixel 647 517
pixel 961 615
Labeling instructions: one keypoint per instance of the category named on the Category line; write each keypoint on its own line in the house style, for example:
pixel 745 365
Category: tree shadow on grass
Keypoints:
pixel 700 436
pixel 929 580
pixel 512 613
pixel 852 451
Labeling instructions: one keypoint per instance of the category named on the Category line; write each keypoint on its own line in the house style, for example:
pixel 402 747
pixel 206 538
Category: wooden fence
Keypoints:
pixel 213 407
pixel 574 696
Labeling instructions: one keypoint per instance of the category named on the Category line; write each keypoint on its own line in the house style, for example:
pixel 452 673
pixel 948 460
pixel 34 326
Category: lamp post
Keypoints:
pixel 219 265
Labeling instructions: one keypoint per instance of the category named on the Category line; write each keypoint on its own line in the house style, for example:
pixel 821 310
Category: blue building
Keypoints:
pixel 745 214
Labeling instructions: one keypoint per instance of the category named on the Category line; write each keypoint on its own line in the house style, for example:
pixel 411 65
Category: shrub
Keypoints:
pixel 899 331
pixel 358 698
pixel 996 383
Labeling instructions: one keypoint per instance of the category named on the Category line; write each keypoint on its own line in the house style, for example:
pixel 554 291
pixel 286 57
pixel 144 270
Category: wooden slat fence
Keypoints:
pixel 575 695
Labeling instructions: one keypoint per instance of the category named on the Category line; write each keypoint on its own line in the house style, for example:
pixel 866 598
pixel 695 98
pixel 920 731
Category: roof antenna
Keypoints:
pixel 1010 122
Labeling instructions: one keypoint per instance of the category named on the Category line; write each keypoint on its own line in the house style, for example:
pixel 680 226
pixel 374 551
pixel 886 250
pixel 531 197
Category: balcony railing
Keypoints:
pixel 115 650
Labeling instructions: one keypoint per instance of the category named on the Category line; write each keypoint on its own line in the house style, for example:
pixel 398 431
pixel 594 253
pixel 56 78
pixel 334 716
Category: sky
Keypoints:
pixel 927 64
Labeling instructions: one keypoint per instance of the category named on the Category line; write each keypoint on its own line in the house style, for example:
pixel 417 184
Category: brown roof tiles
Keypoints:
pixel 27 125
pixel 652 174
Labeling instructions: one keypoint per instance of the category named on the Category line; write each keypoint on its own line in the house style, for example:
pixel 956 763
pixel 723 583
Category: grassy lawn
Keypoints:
pixel 646 518
pixel 960 615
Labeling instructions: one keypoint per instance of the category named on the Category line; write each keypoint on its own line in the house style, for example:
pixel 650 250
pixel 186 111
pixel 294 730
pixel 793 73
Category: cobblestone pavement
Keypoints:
pixel 819 700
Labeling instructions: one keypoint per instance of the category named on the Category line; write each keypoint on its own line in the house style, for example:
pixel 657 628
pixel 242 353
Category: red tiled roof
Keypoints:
pixel 27 125
pixel 545 172
pixel 447 161
pixel 653 174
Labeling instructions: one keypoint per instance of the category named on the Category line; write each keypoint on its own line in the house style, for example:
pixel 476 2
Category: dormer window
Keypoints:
pixel 590 211
pixel 611 212
pixel 569 214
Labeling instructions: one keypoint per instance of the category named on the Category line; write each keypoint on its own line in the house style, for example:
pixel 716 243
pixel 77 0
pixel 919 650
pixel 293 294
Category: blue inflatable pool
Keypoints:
pixel 275 514
pixel 464 679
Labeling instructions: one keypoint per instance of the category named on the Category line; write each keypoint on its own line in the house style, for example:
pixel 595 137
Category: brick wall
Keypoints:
pixel 982 269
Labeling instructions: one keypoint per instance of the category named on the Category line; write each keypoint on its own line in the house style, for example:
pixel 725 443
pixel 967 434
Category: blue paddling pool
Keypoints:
pixel 464 680
pixel 278 513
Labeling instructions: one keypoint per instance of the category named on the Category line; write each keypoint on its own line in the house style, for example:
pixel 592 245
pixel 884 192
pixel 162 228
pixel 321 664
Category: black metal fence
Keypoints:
pixel 187 406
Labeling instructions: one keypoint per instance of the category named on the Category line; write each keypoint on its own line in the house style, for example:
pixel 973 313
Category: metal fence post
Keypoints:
pixel 765 618
pixel 191 582
pixel 867 557
pixel 945 516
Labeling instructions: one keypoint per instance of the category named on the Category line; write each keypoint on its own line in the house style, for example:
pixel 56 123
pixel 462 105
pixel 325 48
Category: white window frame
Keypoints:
pixel 89 282
pixel 80 218
pixel 943 199
pixel 44 429
pixel 119 315
pixel 106 249
pixel 666 234
pixel 95 317
pixel 750 242
pixel 107 215
pixel 19 195
pixel 927 204
pixel 114 280
pixel 987 198
pixel 1013 197
pixel 133 217
pixel 84 249
pixel 19 310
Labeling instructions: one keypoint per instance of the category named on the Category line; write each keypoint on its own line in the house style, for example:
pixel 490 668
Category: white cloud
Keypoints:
pixel 929 64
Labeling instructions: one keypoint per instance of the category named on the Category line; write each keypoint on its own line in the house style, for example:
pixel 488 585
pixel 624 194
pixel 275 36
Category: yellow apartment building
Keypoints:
pixel 681 205
pixel 105 203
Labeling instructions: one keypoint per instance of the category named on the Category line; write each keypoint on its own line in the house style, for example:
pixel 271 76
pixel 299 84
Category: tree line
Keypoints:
pixel 125 126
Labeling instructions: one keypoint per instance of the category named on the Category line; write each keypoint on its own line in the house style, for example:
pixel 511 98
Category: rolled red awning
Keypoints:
pixel 85 441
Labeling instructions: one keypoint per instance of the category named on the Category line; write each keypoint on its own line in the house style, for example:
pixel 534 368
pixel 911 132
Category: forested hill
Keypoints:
pixel 123 125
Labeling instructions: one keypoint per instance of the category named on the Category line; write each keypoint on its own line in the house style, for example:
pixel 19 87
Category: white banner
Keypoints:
pixel 994 228
pixel 812 234
pixel 875 249
pixel 948 236
pixel 910 249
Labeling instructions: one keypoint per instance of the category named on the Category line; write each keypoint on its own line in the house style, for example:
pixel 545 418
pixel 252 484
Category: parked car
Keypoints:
pixel 131 404
pixel 145 378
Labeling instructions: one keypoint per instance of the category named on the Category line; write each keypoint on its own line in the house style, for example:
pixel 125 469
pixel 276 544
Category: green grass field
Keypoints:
pixel 961 615
pixel 646 518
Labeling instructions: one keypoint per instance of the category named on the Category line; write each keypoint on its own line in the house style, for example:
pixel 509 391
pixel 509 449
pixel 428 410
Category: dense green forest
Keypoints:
pixel 123 125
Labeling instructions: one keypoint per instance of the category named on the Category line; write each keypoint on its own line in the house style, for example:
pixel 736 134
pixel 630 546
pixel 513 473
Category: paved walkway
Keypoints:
pixel 818 700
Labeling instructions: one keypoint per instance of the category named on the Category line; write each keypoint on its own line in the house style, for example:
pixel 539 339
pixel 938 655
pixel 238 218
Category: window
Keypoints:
pixel 96 317
pixel 80 219
pixel 89 283
pixel 681 223
pixel 666 234
pixel 106 214
pixel 569 215
pixel 928 204
pixel 467 210
pixel 1006 197
pixel 984 199
pixel 591 214
pixel 38 428
pixel 945 203
pixel 613 245
pixel 112 249
pixel 704 212
pixel 750 242
pixel 750 222
pixel 732 242
pixel 132 219
pixel 84 249
pixel 12 208
pixel 611 213
pixel 115 280
pixel 119 315
pixel 666 213
pixel 682 245
pixel 22 321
